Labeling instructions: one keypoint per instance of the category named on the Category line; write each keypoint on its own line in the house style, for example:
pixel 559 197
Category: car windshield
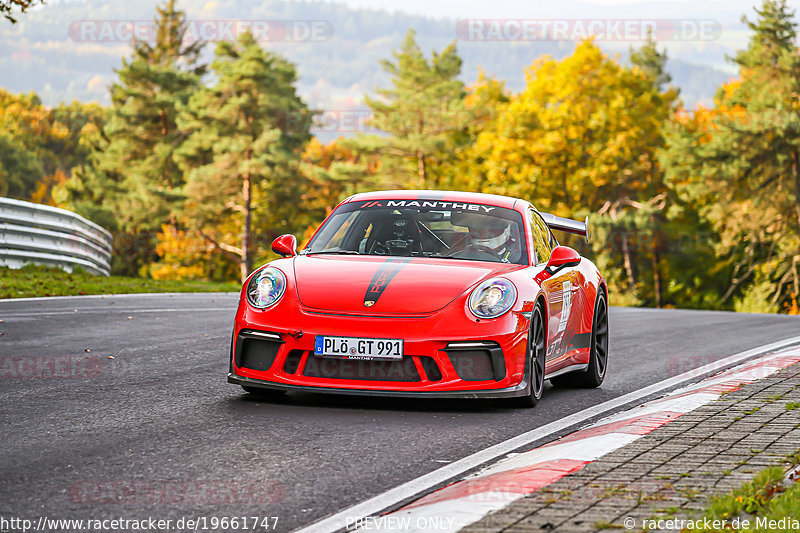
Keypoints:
pixel 423 228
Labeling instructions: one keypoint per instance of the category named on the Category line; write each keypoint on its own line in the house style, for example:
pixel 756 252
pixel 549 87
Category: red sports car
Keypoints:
pixel 424 294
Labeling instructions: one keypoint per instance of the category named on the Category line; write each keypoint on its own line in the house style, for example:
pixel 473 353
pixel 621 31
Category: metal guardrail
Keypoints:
pixel 35 233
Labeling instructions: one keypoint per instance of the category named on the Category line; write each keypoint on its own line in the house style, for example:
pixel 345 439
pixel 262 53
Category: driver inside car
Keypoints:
pixel 489 234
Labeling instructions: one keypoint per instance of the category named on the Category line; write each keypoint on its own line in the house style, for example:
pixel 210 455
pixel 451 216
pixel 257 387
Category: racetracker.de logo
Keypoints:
pixel 580 29
pixel 263 31
pixel 50 366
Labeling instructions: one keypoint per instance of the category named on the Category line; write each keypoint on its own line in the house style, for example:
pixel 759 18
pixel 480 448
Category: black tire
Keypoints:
pixel 537 351
pixel 264 393
pixel 598 359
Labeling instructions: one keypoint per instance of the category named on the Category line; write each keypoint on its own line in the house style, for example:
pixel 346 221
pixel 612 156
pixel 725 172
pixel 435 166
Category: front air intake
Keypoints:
pixel 323 367
pixel 292 362
pixel 431 368
pixel 477 361
pixel 256 350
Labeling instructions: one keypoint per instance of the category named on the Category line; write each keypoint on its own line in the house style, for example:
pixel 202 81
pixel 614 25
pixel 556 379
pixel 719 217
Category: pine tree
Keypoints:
pixel 142 129
pixel 652 62
pixel 422 111
pixel 244 143
pixel 132 180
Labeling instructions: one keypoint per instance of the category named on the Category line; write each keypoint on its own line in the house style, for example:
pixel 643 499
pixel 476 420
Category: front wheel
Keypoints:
pixel 537 348
pixel 598 358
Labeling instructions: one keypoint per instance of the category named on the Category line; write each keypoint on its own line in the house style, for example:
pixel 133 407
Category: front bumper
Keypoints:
pixel 279 354
pixel 508 392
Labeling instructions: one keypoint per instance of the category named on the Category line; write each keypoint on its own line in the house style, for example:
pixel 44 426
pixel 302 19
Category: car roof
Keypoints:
pixel 443 196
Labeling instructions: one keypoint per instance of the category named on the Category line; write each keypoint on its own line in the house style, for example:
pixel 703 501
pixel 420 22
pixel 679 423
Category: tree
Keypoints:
pixel 25 127
pixel 582 138
pixel 241 155
pixel 743 165
pixel 40 146
pixel 651 62
pixel 644 217
pixel 421 111
pixel 132 180
pixel 19 168
pixel 699 270
pixel 333 172
pixel 142 129
pixel 577 136
pixel 483 103
pixel 8 7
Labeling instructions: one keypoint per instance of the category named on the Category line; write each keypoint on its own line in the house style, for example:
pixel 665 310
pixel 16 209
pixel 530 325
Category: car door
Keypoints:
pixel 561 289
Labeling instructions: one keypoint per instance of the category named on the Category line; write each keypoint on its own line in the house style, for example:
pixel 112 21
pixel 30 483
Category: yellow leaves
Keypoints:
pixel 306 236
pixel 182 255
pixel 173 271
pixel 728 90
pixel 484 90
pixel 42 191
pixel 582 127
pixel 794 307
pixel 26 116
pixel 324 155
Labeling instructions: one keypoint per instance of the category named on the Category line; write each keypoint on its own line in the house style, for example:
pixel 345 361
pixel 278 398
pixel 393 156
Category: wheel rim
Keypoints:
pixel 601 337
pixel 537 348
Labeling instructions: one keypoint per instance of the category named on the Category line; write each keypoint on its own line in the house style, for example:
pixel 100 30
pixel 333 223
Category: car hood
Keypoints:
pixel 387 286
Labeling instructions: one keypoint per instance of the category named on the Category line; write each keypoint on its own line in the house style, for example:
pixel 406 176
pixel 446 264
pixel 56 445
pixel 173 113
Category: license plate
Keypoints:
pixel 358 348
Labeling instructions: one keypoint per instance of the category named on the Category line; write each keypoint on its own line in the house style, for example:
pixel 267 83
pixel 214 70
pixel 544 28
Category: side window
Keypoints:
pixel 337 240
pixel 542 238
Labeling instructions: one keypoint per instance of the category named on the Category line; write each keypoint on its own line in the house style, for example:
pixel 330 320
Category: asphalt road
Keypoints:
pixel 157 432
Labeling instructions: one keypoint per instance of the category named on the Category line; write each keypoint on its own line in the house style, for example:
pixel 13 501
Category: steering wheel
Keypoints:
pixel 471 250
pixel 379 248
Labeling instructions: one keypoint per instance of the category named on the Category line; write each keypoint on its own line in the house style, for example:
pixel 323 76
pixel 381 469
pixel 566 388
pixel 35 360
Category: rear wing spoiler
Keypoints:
pixel 565 224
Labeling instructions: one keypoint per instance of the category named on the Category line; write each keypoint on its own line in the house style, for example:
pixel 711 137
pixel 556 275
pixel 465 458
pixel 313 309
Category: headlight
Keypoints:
pixel 266 287
pixel 492 298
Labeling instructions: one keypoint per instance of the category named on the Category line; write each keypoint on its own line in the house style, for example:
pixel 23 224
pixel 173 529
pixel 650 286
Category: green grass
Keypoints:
pixel 794 459
pixel 33 281
pixel 791 406
pixel 763 498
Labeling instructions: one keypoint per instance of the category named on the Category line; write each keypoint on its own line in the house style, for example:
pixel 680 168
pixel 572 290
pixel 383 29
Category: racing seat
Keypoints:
pixel 396 234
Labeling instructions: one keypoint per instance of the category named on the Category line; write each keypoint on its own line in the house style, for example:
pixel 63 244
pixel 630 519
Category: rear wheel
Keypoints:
pixel 598 359
pixel 537 347
pixel 264 393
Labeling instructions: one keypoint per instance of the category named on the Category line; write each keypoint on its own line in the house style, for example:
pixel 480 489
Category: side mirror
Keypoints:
pixel 285 245
pixel 560 257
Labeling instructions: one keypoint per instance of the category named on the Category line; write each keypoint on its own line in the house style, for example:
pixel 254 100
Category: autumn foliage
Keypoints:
pixel 694 208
